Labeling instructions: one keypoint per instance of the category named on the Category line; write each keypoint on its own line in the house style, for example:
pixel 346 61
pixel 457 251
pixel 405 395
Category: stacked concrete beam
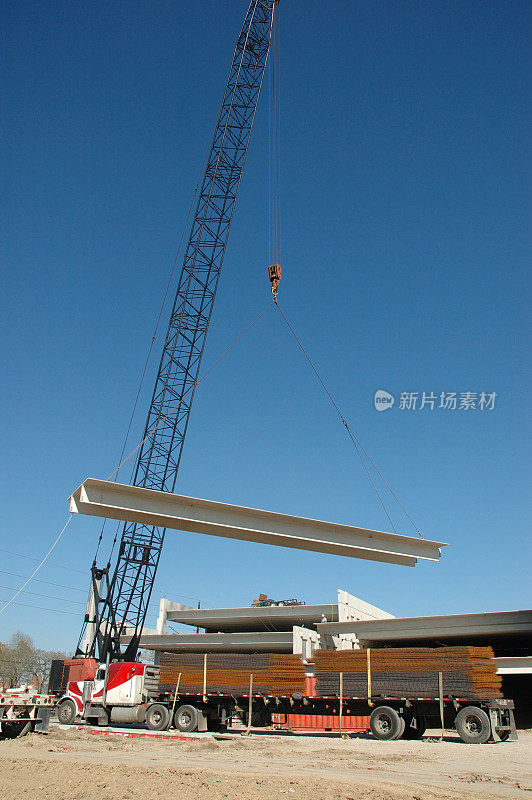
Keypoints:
pixel 257 629
pixel 451 627
pixel 280 618
pixel 232 620
pixel 298 640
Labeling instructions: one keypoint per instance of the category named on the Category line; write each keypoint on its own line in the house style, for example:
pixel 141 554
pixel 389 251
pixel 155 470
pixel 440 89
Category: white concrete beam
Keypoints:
pixel 216 642
pixel 514 665
pixel 164 509
pixel 451 625
pixel 253 618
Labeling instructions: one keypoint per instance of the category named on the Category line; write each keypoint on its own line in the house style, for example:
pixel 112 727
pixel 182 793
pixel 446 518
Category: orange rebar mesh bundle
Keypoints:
pixel 276 674
pixel 409 672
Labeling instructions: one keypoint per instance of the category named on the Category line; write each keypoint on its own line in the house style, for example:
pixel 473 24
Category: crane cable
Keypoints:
pixel 359 447
pixel 356 441
pixel 202 171
pixel 190 389
pixel 148 435
pixel 274 247
pixel 154 336
pixel 274 131
pixel 275 254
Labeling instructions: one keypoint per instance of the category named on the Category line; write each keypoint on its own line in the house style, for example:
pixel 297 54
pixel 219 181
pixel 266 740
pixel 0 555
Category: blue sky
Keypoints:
pixel 406 251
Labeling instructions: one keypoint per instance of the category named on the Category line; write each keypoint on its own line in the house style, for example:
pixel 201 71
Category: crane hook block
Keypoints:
pixel 274 274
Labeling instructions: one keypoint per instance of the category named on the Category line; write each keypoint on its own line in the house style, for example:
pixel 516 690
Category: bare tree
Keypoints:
pixel 22 662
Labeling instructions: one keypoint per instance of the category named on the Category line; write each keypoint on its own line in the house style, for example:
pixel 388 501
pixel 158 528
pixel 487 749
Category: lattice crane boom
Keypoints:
pixel 122 596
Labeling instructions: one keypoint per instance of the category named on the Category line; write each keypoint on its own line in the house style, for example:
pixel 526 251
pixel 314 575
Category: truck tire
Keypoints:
pixel 186 719
pixel 417 732
pixel 386 724
pixel 66 712
pixel 12 730
pixel 157 717
pixel 473 725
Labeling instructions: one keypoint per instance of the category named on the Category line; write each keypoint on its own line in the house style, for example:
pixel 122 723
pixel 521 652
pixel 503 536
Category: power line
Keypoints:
pixel 154 604
pixel 50 583
pixel 49 596
pixel 40 608
pixel 52 563
pixel 37 568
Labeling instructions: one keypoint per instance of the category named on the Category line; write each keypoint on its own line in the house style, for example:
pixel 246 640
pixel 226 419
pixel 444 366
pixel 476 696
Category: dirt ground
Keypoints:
pixel 71 764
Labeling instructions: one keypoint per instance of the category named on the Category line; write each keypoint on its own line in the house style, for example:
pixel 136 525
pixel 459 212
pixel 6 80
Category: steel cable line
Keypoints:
pixel 192 388
pixel 274 252
pixel 274 132
pixel 356 441
pixel 157 462
pixel 154 336
pixel 158 320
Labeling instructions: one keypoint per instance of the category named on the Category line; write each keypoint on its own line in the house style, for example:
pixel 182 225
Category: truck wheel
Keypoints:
pixel 157 717
pixel 473 725
pixel 11 730
pixel 418 731
pixel 186 719
pixel 385 723
pixel 66 712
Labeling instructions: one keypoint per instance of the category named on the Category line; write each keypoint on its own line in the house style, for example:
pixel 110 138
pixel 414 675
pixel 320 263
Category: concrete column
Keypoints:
pixel 164 607
pixel 305 641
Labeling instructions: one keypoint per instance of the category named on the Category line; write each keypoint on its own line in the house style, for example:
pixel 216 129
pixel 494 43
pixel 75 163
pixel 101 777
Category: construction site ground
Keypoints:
pixel 77 763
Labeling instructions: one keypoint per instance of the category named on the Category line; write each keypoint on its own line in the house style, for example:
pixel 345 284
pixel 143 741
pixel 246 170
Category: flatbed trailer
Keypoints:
pixel 476 721
pixel 22 710
pixel 130 692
